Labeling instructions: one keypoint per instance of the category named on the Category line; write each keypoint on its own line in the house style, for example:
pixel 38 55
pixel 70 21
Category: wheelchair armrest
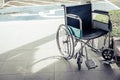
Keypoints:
pixel 75 17
pixel 101 12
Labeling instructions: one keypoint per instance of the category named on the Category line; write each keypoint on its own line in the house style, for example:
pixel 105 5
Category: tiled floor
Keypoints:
pixel 44 63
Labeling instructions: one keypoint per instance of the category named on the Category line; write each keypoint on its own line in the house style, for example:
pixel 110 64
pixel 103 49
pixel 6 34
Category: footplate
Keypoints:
pixel 90 64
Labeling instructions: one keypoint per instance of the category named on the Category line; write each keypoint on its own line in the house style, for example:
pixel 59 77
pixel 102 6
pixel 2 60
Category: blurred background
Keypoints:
pixel 7 3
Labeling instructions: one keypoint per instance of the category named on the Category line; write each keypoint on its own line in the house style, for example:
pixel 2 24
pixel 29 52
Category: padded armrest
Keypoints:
pixel 73 16
pixel 101 12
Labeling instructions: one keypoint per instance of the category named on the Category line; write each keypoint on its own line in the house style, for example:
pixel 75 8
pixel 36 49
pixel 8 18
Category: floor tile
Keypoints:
pixel 116 74
pixel 20 55
pixel 40 76
pixel 42 65
pixel 96 75
pixel 1 64
pixel 64 66
pixel 13 68
pixel 12 77
pixel 66 76
pixel 4 56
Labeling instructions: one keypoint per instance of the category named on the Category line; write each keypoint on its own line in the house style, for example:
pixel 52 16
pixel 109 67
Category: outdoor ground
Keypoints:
pixel 116 2
pixel 28 49
pixel 9 3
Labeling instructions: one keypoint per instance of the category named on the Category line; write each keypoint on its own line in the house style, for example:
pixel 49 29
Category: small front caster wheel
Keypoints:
pixel 107 54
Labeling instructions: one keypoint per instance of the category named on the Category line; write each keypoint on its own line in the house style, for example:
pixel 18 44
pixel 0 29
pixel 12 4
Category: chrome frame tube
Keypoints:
pixel 71 16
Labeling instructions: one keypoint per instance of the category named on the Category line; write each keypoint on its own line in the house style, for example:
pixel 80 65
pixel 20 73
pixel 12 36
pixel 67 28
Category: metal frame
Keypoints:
pixel 72 16
pixel 79 53
pixel 80 21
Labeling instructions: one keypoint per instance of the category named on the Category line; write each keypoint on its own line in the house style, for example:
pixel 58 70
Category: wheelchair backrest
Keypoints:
pixel 84 12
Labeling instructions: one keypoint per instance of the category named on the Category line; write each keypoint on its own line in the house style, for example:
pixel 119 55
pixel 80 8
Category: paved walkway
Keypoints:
pixel 116 2
pixel 42 12
pixel 28 51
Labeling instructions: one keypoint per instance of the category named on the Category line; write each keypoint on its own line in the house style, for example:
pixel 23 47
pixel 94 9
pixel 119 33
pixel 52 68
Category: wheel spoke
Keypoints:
pixel 65 42
pixel 107 54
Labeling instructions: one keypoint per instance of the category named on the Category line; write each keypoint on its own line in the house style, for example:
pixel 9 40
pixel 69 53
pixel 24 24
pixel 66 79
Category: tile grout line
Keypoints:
pixel 54 71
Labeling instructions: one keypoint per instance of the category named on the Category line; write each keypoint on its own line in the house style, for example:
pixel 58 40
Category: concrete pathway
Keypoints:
pixel 43 12
pixel 116 2
pixel 28 49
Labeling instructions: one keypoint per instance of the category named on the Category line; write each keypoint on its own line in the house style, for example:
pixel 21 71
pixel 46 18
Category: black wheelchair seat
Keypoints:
pixel 93 33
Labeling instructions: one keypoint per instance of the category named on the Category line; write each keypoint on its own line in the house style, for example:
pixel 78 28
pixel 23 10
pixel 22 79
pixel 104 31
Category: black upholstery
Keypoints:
pixel 85 13
pixel 93 33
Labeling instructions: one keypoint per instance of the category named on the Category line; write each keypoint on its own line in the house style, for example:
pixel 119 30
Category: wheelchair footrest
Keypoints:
pixel 90 64
pixel 108 62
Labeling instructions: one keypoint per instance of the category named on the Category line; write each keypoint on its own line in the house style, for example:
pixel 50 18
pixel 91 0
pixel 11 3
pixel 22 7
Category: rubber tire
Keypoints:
pixel 70 55
pixel 107 54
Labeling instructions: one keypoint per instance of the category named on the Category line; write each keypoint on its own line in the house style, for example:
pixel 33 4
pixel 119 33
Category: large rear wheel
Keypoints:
pixel 65 42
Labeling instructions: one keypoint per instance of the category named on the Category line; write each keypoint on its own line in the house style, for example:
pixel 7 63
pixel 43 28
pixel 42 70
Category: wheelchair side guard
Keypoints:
pixel 109 24
pixel 75 32
pixel 100 25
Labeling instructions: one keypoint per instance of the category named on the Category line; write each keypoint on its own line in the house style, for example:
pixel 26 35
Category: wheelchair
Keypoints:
pixel 80 28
